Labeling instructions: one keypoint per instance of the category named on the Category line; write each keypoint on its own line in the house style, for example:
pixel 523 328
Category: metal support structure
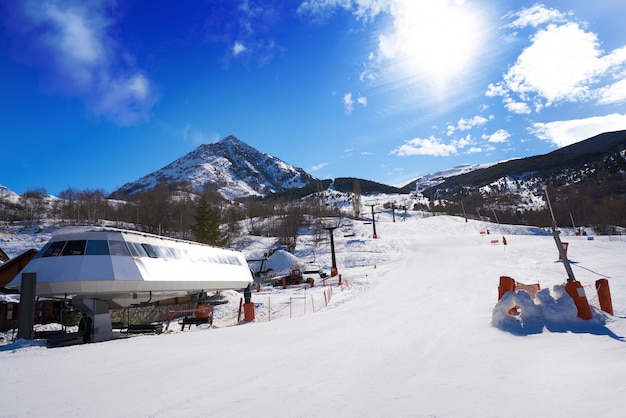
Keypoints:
pixel 96 317
pixel 373 222
pixel 26 318
pixel 333 270
pixel 559 244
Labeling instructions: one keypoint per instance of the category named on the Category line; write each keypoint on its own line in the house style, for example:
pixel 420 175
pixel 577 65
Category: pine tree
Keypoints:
pixel 207 226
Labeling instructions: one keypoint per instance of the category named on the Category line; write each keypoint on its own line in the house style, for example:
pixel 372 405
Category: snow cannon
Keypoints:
pixel 573 286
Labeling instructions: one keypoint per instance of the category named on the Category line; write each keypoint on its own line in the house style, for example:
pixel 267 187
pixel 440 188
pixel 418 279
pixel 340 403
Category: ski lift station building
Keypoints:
pixel 101 268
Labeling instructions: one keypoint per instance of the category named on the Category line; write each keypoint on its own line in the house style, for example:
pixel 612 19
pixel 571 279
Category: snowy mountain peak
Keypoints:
pixel 231 166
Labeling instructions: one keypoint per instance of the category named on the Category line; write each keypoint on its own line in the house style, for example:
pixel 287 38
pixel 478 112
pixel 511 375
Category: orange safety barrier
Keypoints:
pixel 507 284
pixel 576 291
pixel 604 295
pixel 532 289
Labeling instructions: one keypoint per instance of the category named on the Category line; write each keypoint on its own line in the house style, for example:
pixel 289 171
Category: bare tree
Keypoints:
pixel 34 204
pixel 356 200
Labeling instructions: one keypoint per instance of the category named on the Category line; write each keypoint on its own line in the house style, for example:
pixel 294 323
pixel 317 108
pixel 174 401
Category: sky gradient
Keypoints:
pixel 95 96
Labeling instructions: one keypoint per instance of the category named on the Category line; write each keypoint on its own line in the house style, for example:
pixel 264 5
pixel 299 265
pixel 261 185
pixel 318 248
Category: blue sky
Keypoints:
pixel 96 94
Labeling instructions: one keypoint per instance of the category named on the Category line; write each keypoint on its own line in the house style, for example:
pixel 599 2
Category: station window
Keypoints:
pixel 118 248
pixel 75 247
pixel 54 249
pixel 43 250
pixel 177 253
pixel 150 250
pixel 163 252
pixel 97 247
pixel 137 250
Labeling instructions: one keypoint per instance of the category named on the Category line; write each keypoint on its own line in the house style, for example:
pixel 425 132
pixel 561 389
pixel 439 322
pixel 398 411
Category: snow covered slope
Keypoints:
pixel 411 335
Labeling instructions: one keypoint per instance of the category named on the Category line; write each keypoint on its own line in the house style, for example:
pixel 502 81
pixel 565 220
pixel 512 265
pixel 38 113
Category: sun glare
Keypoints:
pixel 432 42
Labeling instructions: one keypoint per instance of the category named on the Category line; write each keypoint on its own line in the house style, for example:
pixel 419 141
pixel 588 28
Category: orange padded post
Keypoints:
pixel 576 291
pixel 507 284
pixel 604 295
pixel 202 310
pixel 248 311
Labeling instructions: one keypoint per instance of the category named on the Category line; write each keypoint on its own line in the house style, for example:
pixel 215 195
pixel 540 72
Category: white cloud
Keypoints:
pixel 534 16
pixel 558 66
pixel 519 108
pixel 365 10
pixel 348 103
pixel 463 142
pixel 474 150
pixel 499 136
pixel 466 124
pixel 614 93
pixel 425 146
pixel 81 58
pixel 563 133
pixel 318 167
pixel 238 48
pixel 563 63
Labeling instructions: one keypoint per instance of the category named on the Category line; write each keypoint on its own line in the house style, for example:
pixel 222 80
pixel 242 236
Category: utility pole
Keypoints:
pixel 333 270
pixel 373 221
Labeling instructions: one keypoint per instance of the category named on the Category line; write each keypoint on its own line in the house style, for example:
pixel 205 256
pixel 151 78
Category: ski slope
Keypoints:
pixel 411 335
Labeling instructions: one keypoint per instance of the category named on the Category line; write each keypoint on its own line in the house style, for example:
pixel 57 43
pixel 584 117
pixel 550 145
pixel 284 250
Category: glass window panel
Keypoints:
pixel 54 249
pixel 43 250
pixel 163 252
pixel 137 249
pixel 150 250
pixel 97 247
pixel 177 253
pixel 132 249
pixel 74 247
pixel 118 248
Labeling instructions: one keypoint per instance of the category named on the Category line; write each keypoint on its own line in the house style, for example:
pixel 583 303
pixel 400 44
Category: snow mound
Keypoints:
pixel 281 262
pixel 555 311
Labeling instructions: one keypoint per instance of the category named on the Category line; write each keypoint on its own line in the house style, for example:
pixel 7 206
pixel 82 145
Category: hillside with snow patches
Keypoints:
pixel 430 180
pixel 414 330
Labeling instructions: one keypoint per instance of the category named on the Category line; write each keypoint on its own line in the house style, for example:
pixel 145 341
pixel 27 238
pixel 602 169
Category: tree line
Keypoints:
pixel 173 210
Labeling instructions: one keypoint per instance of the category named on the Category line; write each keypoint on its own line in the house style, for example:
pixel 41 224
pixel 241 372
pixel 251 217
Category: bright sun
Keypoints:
pixel 432 41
